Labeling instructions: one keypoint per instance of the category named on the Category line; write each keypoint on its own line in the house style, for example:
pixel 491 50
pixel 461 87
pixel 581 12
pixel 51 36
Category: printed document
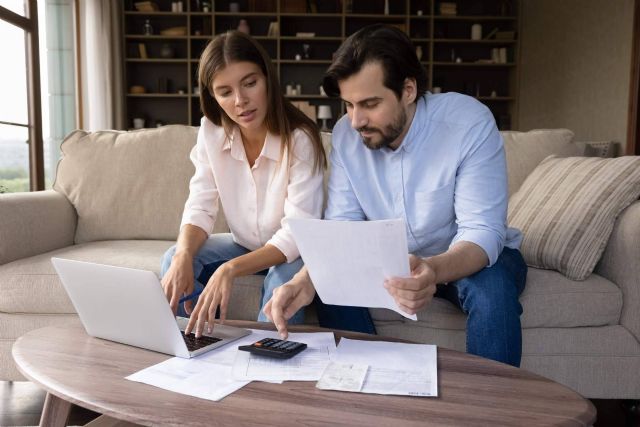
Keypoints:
pixel 343 377
pixel 394 368
pixel 348 261
pixel 305 366
pixel 208 376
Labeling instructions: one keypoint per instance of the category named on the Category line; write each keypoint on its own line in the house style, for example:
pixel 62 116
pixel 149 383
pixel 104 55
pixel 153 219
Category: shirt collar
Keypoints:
pixel 417 124
pixel 270 149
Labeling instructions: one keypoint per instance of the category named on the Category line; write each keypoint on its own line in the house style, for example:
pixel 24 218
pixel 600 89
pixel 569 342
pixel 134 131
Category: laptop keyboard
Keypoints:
pixel 194 343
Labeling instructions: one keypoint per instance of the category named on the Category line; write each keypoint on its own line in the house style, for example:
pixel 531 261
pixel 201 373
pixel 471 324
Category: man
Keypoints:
pixel 437 161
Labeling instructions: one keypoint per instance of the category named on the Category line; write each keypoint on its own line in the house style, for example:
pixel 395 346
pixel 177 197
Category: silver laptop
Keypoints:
pixel 129 306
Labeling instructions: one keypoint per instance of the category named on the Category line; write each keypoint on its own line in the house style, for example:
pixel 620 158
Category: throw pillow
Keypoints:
pixel 127 185
pixel 566 209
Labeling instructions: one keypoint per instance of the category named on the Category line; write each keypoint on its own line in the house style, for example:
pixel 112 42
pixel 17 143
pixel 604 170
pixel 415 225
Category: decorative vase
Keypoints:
pixel 419 52
pixel 166 51
pixel 243 27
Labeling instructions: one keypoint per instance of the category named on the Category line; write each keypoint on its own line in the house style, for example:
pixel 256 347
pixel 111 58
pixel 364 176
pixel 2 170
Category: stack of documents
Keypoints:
pixel 356 366
pixel 363 366
pixel 222 371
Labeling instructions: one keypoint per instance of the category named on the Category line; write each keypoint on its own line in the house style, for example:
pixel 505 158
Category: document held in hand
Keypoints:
pixel 348 261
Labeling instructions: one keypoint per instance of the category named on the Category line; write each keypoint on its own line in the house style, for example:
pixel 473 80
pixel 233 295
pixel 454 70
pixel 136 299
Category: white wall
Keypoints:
pixel 575 66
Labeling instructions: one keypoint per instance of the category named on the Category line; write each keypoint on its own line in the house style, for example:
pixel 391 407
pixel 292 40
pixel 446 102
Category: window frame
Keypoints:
pixel 29 23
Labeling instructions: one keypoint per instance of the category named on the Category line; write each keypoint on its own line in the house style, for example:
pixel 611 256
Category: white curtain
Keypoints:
pixel 101 65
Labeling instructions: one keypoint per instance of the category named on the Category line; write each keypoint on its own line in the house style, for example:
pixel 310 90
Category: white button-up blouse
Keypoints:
pixel 257 200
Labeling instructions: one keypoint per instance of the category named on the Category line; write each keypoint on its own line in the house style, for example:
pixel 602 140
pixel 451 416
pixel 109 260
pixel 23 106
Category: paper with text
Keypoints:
pixel 394 368
pixel 343 377
pixel 305 366
pixel 208 376
pixel 348 261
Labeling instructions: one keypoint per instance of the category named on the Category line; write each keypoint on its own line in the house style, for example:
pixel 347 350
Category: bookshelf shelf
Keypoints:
pixel 442 39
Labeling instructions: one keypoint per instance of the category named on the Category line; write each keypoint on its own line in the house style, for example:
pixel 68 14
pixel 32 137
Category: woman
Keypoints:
pixel 262 158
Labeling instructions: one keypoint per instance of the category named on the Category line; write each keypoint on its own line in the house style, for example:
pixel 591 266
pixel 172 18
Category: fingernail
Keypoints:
pixel 282 335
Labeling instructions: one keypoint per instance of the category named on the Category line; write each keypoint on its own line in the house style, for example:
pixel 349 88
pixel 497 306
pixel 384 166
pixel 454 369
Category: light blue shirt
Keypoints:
pixel 447 180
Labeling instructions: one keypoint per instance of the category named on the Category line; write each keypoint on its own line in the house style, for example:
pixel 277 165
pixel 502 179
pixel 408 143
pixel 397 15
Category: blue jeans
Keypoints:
pixel 488 297
pixel 220 248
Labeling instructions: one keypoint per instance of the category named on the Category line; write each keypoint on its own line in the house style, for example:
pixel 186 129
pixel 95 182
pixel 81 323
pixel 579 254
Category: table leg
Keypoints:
pixel 55 411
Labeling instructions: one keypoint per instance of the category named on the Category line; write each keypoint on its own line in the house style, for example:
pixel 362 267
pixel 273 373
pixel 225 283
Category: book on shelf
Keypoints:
pixel 274 29
pixel 142 50
pixel 491 34
pixel 448 8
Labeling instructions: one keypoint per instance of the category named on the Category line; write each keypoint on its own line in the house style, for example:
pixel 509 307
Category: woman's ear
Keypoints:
pixel 409 90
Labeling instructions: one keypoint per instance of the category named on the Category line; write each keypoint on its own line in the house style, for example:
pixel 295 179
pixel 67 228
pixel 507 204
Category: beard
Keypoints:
pixel 388 135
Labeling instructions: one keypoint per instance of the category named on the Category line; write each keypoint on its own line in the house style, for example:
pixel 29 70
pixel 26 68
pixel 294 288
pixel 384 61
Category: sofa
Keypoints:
pixel 118 197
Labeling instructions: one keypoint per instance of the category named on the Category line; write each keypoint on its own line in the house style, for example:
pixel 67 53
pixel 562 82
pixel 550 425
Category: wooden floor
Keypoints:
pixel 21 405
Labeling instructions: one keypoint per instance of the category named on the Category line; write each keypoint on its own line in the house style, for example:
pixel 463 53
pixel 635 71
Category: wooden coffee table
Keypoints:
pixel 77 369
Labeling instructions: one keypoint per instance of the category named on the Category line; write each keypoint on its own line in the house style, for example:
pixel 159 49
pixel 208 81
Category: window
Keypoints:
pixel 39 40
pixel 22 31
pixel 14 112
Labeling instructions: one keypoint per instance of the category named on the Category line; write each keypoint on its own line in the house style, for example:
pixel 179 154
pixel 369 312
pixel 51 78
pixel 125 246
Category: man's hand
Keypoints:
pixel 415 292
pixel 287 300
pixel 216 293
pixel 178 281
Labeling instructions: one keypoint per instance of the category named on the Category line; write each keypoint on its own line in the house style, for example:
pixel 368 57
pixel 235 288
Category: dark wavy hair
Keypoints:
pixel 282 117
pixel 388 46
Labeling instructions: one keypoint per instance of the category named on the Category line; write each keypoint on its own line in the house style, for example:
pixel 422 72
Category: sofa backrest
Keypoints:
pixel 525 150
pixel 133 185
pixel 127 185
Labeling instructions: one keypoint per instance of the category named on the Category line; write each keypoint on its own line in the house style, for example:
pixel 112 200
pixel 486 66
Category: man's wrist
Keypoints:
pixel 433 265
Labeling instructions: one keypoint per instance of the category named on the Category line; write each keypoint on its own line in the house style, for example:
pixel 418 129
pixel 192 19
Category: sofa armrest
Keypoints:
pixel 34 223
pixel 620 263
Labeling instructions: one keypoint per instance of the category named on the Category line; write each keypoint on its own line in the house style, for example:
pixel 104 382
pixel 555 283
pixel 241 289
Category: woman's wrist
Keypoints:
pixel 230 268
pixel 183 254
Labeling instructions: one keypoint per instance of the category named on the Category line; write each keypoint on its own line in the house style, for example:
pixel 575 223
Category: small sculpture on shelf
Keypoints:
pixel 306 51
pixel 147 30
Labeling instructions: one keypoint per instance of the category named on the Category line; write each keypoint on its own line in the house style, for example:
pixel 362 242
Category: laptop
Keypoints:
pixel 128 306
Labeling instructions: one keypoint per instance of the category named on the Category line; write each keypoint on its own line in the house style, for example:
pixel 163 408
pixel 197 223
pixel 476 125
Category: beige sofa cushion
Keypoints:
pixel 21 280
pixel 142 178
pixel 567 207
pixel 525 150
pixel 549 300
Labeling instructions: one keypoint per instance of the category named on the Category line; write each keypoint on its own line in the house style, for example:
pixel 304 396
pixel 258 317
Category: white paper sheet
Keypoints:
pixel 208 376
pixel 343 377
pixel 305 366
pixel 348 261
pixel 394 368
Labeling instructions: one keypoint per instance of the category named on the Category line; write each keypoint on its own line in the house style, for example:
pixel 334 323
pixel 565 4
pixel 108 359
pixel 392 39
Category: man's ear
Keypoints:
pixel 410 90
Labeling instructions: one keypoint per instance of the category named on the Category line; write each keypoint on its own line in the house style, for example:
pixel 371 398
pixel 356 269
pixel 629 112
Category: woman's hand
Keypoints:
pixel 216 293
pixel 178 281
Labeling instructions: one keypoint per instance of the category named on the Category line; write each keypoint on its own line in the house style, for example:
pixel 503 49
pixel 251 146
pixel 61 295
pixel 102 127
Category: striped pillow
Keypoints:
pixel 566 209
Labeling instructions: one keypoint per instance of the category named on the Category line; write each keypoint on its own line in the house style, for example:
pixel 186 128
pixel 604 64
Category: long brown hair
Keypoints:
pixel 282 117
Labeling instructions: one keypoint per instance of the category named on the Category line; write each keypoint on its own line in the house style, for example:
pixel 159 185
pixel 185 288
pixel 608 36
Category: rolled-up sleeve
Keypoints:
pixel 305 194
pixel 480 200
pixel 201 207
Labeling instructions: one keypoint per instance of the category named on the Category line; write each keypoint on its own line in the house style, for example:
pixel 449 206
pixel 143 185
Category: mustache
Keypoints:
pixel 367 129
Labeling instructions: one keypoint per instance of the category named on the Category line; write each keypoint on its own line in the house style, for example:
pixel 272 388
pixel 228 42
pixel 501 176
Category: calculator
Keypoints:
pixel 272 347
